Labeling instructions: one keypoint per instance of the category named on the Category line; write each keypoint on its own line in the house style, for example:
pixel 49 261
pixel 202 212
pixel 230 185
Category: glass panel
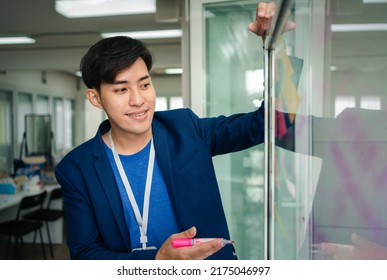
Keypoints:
pixel 234 77
pixel 330 161
pixel 6 132
pixel 290 184
pixel 38 134
pixel 161 103
pixel 176 102
pixel 63 124
pixel 42 105
pixel 69 123
pixel 58 123
pixel 24 107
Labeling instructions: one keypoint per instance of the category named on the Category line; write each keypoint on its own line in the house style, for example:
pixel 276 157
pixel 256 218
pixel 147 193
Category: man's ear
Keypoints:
pixel 94 98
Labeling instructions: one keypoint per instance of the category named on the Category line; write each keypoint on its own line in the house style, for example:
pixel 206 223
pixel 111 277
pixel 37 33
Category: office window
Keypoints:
pixel 342 102
pixel 175 102
pixel 6 131
pixel 69 123
pixel 24 107
pixel 232 83
pixel 63 123
pixel 370 102
pixel 58 123
pixel 329 167
pixel 161 103
pixel 42 105
pixel 254 82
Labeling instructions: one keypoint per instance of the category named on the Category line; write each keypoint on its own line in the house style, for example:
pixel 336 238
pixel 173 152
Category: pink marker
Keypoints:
pixel 188 242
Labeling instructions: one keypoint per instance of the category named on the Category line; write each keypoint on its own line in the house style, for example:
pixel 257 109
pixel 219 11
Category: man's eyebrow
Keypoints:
pixel 118 82
pixel 144 77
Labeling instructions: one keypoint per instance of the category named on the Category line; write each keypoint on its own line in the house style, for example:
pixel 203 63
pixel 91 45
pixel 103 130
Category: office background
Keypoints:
pixel 223 73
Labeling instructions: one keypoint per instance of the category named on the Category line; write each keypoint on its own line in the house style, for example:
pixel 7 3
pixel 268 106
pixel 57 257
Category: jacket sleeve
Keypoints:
pixel 230 134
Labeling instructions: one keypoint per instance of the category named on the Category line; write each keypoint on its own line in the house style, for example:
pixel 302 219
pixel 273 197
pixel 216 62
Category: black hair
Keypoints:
pixel 109 56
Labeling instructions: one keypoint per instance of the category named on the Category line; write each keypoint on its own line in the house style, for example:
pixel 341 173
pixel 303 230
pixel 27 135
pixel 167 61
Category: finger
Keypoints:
pixel 205 249
pixel 265 11
pixel 261 10
pixel 167 251
pixel 256 26
pixel 270 10
pixel 289 26
pixel 213 247
pixel 189 233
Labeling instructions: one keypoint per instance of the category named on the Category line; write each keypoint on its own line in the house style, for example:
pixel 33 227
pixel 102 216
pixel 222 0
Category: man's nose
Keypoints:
pixel 136 98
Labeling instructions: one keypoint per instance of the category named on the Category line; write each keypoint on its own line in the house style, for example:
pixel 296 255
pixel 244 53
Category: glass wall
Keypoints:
pixel 233 63
pixel 15 105
pixel 6 131
pixel 63 119
pixel 327 169
pixel 38 134
pixel 234 83
pixel 316 188
pixel 24 107
pixel 42 105
pixel 69 123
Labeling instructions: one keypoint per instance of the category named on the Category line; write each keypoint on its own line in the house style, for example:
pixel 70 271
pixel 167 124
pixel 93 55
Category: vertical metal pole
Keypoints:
pixel 266 160
pixel 269 97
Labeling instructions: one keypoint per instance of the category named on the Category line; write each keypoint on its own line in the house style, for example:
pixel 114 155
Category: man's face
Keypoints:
pixel 129 101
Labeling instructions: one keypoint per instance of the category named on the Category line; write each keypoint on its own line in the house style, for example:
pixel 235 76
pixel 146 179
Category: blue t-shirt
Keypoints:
pixel 161 220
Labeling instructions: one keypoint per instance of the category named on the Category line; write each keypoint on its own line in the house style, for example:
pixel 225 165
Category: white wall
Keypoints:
pixel 57 84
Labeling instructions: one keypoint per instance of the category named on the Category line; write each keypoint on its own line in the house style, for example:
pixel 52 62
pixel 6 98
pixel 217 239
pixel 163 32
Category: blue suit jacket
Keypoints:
pixel 184 145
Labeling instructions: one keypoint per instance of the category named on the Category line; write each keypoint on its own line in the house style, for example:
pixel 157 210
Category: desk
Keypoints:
pixel 8 208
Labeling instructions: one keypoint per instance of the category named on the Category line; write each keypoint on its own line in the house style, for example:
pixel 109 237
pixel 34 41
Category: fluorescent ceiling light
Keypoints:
pixel 374 1
pixel 359 27
pixel 16 40
pixel 152 34
pixel 173 71
pixel 99 8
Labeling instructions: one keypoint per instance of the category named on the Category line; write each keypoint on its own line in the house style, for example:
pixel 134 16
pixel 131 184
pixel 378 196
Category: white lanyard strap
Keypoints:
pixel 141 221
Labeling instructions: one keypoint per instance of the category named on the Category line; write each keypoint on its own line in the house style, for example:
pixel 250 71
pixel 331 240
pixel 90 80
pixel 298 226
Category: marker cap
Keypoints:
pixel 182 242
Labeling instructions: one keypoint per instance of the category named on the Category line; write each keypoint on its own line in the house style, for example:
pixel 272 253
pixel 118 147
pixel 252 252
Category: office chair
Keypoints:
pixel 17 228
pixel 47 215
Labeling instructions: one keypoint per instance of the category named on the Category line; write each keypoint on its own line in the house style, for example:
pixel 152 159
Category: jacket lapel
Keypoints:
pixel 163 158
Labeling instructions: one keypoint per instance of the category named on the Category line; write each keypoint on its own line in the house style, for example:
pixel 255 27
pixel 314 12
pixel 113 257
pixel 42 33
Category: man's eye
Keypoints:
pixel 121 90
pixel 145 86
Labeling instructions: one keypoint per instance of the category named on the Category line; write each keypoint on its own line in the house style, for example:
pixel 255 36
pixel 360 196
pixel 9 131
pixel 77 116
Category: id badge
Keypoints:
pixel 146 249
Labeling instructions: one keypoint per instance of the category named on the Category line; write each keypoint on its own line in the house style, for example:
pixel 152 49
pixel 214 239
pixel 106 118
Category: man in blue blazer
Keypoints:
pixel 147 177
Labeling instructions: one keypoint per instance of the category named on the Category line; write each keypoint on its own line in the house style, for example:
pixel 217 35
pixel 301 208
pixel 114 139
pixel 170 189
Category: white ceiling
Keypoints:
pixel 61 42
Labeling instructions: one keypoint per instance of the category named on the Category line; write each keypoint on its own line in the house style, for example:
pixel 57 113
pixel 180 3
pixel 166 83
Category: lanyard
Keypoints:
pixel 141 221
